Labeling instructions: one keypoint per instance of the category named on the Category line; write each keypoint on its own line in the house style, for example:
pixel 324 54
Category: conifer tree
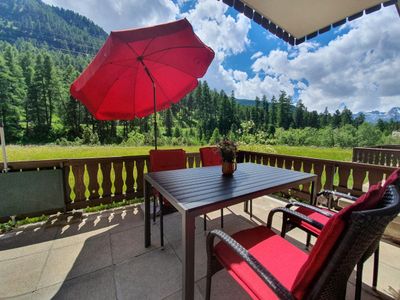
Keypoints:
pixel 168 122
pixel 9 111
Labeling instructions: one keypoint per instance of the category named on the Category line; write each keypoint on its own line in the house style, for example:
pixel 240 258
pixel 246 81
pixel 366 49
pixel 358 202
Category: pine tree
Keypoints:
pixel 283 112
pixel 265 106
pixel 226 116
pixel 346 117
pixel 324 119
pixel 256 113
pixel 272 112
pixel 215 137
pixel 168 122
pixel 9 111
pixel 298 115
pixel 336 119
pixel 360 119
pixel 70 110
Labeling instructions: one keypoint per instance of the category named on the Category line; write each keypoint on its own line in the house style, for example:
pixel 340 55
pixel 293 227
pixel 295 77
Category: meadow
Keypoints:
pixel 18 153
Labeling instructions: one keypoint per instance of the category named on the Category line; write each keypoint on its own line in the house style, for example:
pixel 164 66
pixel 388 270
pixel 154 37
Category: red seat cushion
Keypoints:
pixel 210 156
pixel 276 254
pixel 165 160
pixel 312 215
pixel 329 236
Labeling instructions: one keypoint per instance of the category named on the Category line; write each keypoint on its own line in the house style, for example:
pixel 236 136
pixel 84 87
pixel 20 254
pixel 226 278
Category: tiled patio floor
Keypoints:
pixel 102 256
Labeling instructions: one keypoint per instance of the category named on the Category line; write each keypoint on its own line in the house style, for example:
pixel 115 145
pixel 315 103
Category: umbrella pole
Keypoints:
pixel 140 59
pixel 155 115
pixel 3 147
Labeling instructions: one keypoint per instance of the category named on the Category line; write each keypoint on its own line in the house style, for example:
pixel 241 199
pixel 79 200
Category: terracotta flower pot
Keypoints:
pixel 228 168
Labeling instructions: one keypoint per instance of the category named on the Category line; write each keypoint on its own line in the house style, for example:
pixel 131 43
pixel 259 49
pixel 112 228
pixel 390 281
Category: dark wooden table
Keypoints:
pixel 197 191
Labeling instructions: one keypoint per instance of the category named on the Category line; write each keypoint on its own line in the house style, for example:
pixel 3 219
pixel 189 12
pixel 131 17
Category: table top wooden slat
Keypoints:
pixel 197 187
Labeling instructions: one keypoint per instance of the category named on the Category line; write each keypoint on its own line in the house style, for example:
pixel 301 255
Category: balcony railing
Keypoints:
pixel 385 155
pixel 94 181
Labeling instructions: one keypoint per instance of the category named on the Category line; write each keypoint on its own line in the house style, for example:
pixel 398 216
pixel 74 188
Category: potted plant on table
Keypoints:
pixel 228 150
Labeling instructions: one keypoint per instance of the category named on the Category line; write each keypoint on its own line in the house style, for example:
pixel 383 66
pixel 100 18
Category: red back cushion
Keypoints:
pixel 328 238
pixel 210 156
pixel 165 160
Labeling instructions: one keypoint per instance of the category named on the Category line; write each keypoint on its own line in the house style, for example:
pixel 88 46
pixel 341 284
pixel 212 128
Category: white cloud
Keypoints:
pixel 256 55
pixel 226 35
pixel 122 14
pixel 359 68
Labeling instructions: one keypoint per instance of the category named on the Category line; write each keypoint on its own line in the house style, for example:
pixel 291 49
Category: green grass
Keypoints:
pixel 333 153
pixel 5 227
pixel 102 207
pixel 16 153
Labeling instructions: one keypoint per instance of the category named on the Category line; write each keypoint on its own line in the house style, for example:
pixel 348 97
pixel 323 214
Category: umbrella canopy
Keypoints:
pixel 296 21
pixel 120 82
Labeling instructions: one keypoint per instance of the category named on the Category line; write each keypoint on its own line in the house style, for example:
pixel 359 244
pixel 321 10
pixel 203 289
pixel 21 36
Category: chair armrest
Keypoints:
pixel 311 207
pixel 281 291
pixel 327 193
pixel 292 213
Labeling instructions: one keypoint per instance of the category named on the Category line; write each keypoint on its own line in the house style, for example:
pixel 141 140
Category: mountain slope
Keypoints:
pixel 374 116
pixel 43 24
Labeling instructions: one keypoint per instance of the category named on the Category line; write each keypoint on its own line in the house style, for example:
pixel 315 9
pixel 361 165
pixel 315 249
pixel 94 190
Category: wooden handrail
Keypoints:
pixel 377 156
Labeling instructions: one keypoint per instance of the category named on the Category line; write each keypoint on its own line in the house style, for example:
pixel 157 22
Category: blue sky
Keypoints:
pixel 356 65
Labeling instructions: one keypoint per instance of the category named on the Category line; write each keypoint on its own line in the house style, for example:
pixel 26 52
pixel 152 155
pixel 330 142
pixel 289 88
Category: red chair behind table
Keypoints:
pixel 211 156
pixel 269 267
pixel 165 160
pixel 322 216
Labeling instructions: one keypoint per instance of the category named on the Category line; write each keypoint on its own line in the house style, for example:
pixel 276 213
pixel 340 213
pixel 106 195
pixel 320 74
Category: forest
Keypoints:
pixel 36 108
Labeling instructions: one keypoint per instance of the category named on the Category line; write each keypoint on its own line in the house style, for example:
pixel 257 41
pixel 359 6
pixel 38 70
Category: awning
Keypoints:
pixel 300 20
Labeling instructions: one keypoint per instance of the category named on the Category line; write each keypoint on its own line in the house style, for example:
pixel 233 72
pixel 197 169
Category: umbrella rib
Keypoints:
pixel 147 46
pixel 171 48
pixel 168 65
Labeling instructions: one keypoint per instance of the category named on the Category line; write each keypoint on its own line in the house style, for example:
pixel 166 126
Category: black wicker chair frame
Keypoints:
pixel 359 240
pixel 288 224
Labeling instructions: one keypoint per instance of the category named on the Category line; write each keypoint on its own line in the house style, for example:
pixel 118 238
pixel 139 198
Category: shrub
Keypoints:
pixel 134 139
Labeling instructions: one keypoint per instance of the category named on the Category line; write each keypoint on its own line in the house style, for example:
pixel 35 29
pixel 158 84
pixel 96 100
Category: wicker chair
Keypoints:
pixel 321 216
pixel 165 160
pixel 269 267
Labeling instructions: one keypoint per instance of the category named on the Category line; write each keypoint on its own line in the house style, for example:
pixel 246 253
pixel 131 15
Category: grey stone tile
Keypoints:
pixel 173 226
pixel 26 242
pixel 75 260
pixel 153 275
pixel 96 285
pixel 178 295
pixel 130 243
pixel 68 236
pixel 99 224
pixel 223 287
pixel 200 260
pixel 21 275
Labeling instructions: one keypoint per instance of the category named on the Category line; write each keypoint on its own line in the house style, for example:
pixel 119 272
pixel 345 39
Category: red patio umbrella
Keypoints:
pixel 121 81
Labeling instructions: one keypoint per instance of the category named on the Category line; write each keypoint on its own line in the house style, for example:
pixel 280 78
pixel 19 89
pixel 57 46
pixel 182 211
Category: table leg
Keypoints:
pixel 147 232
pixel 188 256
